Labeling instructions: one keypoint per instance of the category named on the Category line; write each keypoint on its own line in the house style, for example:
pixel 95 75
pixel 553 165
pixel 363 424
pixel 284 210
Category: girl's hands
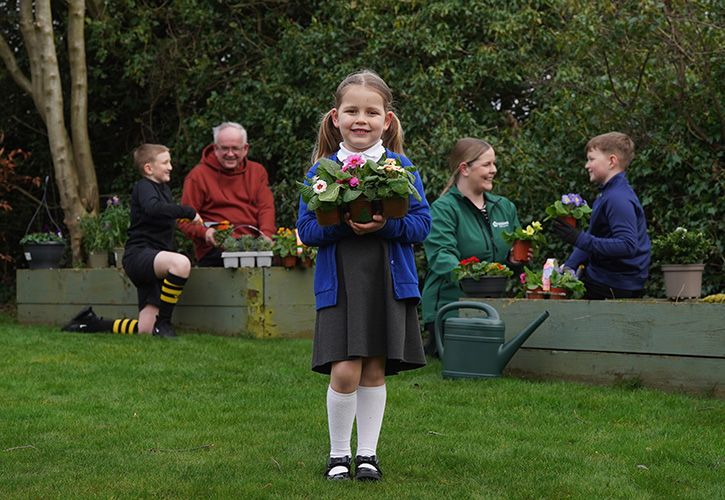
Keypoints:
pixel 361 228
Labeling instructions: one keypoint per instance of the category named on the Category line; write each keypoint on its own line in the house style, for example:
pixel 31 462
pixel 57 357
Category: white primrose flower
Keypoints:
pixel 320 186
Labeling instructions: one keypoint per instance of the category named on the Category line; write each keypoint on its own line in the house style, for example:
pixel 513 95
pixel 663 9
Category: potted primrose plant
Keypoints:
pixel 332 186
pixel 570 208
pixel 388 182
pixel 561 285
pixel 681 254
pixel 479 278
pixel 286 247
pixel 522 240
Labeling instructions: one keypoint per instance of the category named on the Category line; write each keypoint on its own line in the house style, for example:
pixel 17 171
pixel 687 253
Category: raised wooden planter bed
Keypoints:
pixel 654 343
pixel 675 346
pixel 258 302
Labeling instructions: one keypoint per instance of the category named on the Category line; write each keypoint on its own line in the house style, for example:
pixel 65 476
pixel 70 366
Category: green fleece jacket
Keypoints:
pixel 459 231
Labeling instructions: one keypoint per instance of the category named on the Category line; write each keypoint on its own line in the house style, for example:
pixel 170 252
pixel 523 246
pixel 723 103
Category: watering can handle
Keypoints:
pixel 482 306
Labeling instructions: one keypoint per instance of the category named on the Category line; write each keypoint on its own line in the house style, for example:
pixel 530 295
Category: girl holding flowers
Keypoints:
pixel 366 285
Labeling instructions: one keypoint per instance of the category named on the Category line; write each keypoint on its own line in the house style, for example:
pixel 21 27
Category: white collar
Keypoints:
pixel 375 152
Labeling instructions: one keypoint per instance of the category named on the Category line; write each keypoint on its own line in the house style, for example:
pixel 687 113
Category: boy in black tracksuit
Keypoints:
pixel 149 260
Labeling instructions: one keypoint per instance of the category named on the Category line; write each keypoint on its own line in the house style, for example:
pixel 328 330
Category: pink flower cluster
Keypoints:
pixel 351 163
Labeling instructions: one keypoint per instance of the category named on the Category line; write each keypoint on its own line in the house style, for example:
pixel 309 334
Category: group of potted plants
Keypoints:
pixel 245 250
pixel 562 285
pixel 483 279
pixel 106 233
pixel 359 186
pixel 291 251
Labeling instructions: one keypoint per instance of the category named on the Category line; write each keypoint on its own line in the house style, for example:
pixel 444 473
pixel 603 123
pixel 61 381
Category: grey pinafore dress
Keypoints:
pixel 367 321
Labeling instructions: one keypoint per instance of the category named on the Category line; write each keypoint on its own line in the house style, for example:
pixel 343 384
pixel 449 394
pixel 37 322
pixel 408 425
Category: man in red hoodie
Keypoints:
pixel 227 186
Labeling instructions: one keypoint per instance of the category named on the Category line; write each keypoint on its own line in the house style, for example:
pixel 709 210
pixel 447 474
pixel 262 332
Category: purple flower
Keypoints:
pixel 354 181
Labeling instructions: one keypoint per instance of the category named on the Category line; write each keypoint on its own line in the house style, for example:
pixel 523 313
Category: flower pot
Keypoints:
pixel 328 217
pixel 395 208
pixel 44 255
pixel 289 261
pixel 487 286
pixel 557 294
pixel 307 262
pixel 361 210
pixel 683 281
pixel 568 219
pixel 520 250
pixel 264 258
pixel 535 294
pixel 118 256
pixel 98 259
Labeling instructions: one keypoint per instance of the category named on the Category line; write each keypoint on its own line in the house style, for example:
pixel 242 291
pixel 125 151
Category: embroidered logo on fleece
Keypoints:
pixel 503 223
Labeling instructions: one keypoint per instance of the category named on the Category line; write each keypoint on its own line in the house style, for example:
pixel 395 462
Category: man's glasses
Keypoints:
pixel 229 149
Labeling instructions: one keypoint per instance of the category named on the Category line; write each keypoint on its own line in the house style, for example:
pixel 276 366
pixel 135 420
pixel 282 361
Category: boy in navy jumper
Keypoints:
pixel 616 247
pixel 150 260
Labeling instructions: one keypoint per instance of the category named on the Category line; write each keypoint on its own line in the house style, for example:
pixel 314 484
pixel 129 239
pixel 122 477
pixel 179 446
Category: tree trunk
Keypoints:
pixel 73 165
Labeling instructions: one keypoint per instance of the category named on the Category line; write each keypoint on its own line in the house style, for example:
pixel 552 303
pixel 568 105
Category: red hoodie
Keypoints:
pixel 240 196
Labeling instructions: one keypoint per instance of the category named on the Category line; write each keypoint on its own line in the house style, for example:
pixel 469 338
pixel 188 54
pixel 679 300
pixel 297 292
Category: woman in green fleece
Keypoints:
pixel 467 221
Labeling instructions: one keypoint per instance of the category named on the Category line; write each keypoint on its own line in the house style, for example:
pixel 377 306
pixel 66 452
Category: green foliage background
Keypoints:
pixel 537 79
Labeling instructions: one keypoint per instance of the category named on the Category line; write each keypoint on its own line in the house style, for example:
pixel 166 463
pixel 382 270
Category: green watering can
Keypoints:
pixel 475 347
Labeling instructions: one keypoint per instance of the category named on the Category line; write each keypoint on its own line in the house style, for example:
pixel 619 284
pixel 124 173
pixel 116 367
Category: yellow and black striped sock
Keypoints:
pixel 171 290
pixel 125 326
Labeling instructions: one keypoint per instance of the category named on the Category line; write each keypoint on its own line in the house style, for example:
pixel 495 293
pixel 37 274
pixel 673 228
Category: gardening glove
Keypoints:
pixel 565 232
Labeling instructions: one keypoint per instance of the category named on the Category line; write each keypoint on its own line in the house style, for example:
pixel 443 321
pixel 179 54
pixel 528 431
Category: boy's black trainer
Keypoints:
pixel 84 321
pixel 162 328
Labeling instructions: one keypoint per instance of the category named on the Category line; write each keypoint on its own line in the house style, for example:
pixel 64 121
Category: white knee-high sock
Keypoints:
pixel 370 411
pixel 340 417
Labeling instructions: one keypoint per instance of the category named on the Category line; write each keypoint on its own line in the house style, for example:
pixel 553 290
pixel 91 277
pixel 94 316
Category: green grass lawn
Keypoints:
pixel 109 416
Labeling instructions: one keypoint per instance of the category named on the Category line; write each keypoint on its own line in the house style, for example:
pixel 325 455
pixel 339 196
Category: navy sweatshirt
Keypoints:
pixel 616 247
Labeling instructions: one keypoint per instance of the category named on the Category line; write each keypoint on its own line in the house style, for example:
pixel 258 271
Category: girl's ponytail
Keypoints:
pixel 328 138
pixel 393 137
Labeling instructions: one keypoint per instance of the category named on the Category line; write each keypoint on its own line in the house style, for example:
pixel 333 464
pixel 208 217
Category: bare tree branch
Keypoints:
pixel 6 54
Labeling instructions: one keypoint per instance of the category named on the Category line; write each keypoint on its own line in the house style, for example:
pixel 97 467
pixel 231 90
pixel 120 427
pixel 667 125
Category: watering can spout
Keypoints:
pixel 507 350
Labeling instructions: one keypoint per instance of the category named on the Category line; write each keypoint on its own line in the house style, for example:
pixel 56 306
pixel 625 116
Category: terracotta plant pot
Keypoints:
pixel 520 250
pixel 328 217
pixel 361 210
pixel 552 294
pixel 568 219
pixel 487 286
pixel 290 261
pixel 395 208
pixel 307 263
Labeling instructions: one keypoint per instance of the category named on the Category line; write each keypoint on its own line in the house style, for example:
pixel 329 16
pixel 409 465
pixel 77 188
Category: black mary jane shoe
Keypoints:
pixel 367 473
pixel 333 462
